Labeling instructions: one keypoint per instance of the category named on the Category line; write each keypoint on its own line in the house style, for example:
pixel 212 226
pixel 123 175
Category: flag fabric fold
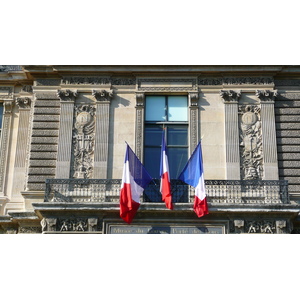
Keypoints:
pixel 165 185
pixel 134 180
pixel 193 175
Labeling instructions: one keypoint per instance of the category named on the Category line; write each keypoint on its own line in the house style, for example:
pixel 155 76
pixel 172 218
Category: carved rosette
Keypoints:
pixel 266 95
pixel 230 96
pixel 83 141
pixel 66 95
pixel 103 95
pixel 23 102
pixel 251 142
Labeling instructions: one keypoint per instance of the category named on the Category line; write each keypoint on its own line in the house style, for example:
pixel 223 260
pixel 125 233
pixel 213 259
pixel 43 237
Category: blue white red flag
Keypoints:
pixel 134 180
pixel 193 175
pixel 165 185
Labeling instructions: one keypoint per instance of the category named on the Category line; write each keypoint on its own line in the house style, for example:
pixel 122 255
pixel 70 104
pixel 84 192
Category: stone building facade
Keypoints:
pixel 63 133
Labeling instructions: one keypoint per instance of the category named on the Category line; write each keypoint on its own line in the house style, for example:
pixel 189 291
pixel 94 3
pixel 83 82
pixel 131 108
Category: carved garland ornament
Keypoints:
pixel 251 142
pixel 83 141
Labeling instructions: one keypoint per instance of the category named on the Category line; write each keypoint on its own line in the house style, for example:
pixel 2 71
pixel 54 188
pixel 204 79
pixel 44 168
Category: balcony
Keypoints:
pixel 217 191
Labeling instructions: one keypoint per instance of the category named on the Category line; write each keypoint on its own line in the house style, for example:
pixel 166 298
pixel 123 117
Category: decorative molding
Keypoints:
pixel 47 81
pixel 164 81
pixel 123 81
pixel 266 95
pixel 251 142
pixel 23 102
pixel 46 95
pixel 73 224
pixel 261 226
pixel 8 106
pixel 86 80
pixel 139 125
pixel 236 81
pixel 5 92
pixel 281 226
pixel 83 141
pixel 194 97
pixel 67 95
pixel 140 99
pixel 230 96
pixel 31 229
pixel 103 95
pixel 287 82
pixel 27 88
pixel 48 224
pixel 238 226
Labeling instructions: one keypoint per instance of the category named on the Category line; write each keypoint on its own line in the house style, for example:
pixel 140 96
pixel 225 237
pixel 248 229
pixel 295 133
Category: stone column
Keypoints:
pixel 194 121
pixel 139 124
pixel 268 134
pixel 230 99
pixel 6 127
pixel 24 104
pixel 67 99
pixel 103 98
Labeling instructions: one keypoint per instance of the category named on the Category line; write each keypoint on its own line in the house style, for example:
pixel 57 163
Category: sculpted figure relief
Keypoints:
pixel 83 141
pixel 251 142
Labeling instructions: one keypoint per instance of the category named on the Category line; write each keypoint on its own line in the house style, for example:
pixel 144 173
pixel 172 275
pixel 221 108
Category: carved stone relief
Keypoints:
pixel 73 224
pixel 251 142
pixel 103 95
pixel 23 102
pixel 230 96
pixel 83 141
pixel 264 226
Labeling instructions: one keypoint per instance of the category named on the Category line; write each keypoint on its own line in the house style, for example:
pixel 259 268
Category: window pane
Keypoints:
pixel 153 135
pixel 152 161
pixel 177 135
pixel 178 110
pixel 155 108
pixel 177 159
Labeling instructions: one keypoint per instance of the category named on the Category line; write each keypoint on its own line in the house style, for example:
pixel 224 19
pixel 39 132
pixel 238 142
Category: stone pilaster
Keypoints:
pixel 24 104
pixel 139 127
pixel 268 134
pixel 4 145
pixel 103 98
pixel 194 121
pixel 67 99
pixel 230 99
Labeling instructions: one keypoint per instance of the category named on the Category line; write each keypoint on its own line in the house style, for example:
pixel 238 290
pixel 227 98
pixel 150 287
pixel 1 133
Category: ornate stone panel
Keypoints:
pixel 194 120
pixel 235 80
pixel 251 142
pixel 139 127
pixel 83 141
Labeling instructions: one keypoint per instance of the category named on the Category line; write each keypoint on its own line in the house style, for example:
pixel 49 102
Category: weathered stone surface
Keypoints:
pixel 44 140
pixel 287 118
pixel 36 186
pixel 39 178
pixel 43 155
pixel 48 81
pixel 46 95
pixel 43 148
pixel 294 188
pixel 288 164
pixel 52 103
pixel 288 111
pixel 288 133
pixel 289 172
pixel 42 163
pixel 46 118
pixel 37 171
pixel 288 148
pixel 289 156
pixel 44 125
pixel 44 132
pixel 288 141
pixel 288 126
pixel 47 110
pixel 287 104
pixel 293 180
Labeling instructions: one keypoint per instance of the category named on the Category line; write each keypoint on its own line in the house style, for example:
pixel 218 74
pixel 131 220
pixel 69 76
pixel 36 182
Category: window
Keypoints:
pixel 169 113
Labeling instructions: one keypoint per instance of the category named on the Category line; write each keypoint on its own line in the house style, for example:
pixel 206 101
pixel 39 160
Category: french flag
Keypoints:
pixel 192 174
pixel 134 180
pixel 165 186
